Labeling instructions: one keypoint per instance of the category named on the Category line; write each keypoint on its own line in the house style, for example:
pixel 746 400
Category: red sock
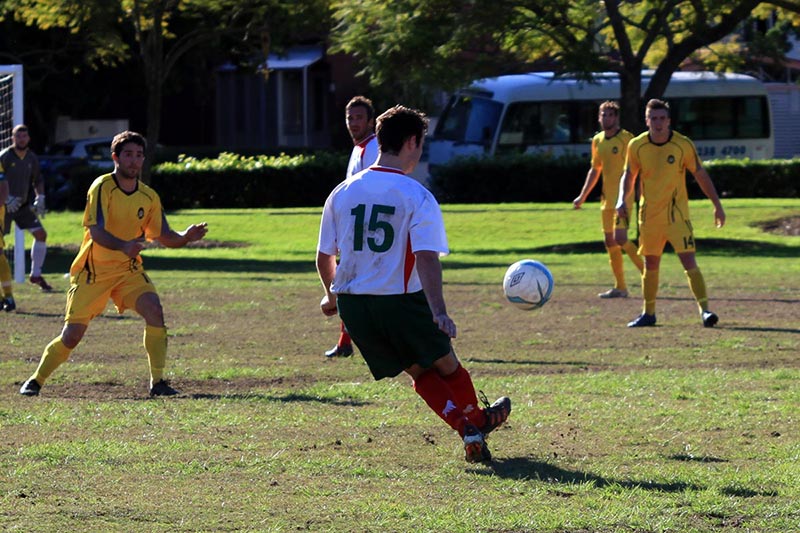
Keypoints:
pixel 460 383
pixel 344 337
pixel 437 394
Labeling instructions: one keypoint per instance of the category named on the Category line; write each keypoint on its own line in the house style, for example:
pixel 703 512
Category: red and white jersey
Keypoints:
pixel 375 221
pixel 363 155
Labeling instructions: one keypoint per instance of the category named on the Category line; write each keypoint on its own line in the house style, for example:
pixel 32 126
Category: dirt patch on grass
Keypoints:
pixel 789 226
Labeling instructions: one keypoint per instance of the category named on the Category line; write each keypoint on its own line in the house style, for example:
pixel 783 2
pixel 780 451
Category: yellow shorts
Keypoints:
pixel 653 237
pixel 613 222
pixel 86 300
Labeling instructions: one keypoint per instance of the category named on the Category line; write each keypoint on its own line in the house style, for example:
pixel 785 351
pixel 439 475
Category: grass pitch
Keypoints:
pixel 673 428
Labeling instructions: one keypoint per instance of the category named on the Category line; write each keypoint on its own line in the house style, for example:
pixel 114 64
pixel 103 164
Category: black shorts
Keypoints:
pixel 24 218
pixel 393 332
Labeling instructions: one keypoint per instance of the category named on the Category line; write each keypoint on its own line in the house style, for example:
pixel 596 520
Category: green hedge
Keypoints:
pixel 305 180
pixel 259 181
pixel 542 178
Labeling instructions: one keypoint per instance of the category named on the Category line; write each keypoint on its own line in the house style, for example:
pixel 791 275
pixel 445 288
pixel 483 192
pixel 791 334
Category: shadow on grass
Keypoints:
pixel 579 364
pixel 287 398
pixel 60 259
pixel 523 468
pixel 727 247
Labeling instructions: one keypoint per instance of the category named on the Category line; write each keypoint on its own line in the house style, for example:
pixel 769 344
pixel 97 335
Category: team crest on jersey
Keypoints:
pixel 670 159
pixel 615 150
pixel 140 214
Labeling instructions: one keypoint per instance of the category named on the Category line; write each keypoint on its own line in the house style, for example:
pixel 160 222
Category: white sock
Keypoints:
pixel 38 251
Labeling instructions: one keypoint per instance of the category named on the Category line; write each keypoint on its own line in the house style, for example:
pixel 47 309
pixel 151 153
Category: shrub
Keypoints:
pixel 231 180
pixel 544 178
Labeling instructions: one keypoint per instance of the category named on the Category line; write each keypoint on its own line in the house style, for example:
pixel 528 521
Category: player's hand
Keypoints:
pixel 39 206
pixel 622 211
pixel 577 202
pixel 195 232
pixel 132 248
pixel 328 306
pixel 13 204
pixel 445 324
pixel 719 217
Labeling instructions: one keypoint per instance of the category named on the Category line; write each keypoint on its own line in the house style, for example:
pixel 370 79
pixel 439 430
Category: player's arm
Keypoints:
pixel 178 239
pixel 429 269
pixel 105 239
pixel 707 186
pixel 592 178
pixel 626 183
pixel 326 268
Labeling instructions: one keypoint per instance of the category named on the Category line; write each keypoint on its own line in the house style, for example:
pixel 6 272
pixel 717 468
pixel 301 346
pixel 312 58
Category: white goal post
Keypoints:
pixel 12 113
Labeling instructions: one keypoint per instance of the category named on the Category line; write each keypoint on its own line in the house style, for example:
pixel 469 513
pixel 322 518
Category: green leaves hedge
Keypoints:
pixel 232 180
pixel 305 180
pixel 542 178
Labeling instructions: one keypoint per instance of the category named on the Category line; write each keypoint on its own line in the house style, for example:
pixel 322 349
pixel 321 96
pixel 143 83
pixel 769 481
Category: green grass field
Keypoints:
pixel 676 428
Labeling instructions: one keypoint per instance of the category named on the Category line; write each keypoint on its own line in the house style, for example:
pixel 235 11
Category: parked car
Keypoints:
pixel 62 160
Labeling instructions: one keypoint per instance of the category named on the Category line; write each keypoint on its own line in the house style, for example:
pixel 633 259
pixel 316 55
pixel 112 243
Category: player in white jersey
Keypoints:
pixel 387 287
pixel 360 121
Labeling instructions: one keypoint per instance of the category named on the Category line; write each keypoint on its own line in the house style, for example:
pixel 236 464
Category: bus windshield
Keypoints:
pixel 469 119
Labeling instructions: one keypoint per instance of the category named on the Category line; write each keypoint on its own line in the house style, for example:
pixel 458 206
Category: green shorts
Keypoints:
pixel 393 332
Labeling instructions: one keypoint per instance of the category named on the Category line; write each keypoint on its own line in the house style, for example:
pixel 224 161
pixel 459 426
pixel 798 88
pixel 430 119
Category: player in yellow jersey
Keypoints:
pixel 660 157
pixel 121 213
pixel 608 158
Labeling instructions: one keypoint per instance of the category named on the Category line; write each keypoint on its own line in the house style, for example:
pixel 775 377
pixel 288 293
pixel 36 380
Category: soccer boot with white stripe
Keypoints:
pixel 496 414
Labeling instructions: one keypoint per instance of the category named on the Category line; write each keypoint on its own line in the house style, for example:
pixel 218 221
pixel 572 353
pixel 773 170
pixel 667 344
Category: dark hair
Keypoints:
pixel 124 137
pixel 655 103
pixel 364 102
pixel 396 125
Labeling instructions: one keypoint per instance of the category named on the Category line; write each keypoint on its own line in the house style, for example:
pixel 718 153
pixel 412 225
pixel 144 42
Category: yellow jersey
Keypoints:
pixel 608 157
pixel 662 174
pixel 124 215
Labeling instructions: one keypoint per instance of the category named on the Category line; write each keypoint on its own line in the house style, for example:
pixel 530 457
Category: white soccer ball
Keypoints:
pixel 528 284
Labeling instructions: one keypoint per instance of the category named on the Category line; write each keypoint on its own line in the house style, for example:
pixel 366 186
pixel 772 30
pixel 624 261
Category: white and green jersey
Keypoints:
pixel 363 155
pixel 375 221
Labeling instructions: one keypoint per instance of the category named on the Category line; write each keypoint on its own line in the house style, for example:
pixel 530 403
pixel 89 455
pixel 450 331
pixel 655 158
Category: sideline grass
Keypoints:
pixel 676 428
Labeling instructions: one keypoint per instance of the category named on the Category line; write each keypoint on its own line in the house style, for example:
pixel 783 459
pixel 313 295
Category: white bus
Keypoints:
pixel 726 115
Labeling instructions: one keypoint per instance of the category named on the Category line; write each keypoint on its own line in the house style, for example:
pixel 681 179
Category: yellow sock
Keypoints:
pixel 615 260
pixel 5 276
pixel 698 286
pixel 650 290
pixel 630 249
pixel 155 342
pixel 54 354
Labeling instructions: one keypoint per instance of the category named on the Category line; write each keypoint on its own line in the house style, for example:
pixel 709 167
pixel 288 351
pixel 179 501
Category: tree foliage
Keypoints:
pixel 442 43
pixel 154 35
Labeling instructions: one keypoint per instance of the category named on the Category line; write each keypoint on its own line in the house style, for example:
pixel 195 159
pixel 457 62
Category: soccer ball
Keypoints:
pixel 528 284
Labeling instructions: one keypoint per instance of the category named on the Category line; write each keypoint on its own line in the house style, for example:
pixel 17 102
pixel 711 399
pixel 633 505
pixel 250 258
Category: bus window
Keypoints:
pixel 587 121
pixel 715 118
pixel 753 118
pixel 469 119
pixel 535 123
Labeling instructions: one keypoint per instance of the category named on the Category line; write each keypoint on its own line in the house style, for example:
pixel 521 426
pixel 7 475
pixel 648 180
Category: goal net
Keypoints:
pixel 11 113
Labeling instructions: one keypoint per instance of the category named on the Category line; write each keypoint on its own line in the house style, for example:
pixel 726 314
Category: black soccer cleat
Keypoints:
pixel 8 304
pixel 642 321
pixel 496 414
pixel 345 350
pixel 30 388
pixel 162 388
pixel 709 319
